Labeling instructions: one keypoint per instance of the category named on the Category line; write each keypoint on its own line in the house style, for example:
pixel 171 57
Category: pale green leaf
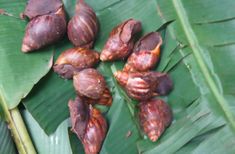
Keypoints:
pixel 19 72
pixel 56 143
pixel 7 146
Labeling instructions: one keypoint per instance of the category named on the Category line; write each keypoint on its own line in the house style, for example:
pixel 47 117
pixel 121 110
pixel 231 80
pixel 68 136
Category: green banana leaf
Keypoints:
pixel 6 144
pixel 19 72
pixel 198 53
pixel 56 143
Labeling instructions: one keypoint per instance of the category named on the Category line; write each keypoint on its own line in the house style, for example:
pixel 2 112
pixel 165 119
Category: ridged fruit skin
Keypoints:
pixel 89 83
pixel 139 86
pixel 88 124
pixel 105 99
pixel 74 60
pixel 46 26
pixel 154 116
pixel 84 26
pixel 121 41
pixel 146 53
pixel 144 85
pixel 95 132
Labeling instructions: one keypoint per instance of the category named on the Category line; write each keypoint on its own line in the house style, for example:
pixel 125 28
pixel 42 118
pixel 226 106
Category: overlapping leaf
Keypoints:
pixel 198 53
pixel 56 143
pixel 55 91
pixel 19 72
pixel 204 36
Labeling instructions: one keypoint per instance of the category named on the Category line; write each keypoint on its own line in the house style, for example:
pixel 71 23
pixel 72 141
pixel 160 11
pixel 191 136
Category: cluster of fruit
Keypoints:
pixel 48 24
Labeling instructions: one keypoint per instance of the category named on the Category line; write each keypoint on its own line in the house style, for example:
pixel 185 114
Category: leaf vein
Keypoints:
pixel 197 50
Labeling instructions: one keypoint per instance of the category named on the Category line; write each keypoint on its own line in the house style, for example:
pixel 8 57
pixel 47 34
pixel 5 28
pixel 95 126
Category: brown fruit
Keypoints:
pixel 139 86
pixel 79 114
pixel 88 124
pixel 47 24
pixel 95 132
pixel 83 27
pixel 146 53
pixel 89 83
pixel 144 85
pixel 155 116
pixel 105 99
pixel 74 60
pixel 120 42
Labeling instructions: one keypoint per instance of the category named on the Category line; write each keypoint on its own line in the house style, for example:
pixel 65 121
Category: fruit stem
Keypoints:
pixel 17 127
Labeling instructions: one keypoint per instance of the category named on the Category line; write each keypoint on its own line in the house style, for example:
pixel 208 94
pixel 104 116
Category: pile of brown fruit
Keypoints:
pixel 137 79
pixel 48 24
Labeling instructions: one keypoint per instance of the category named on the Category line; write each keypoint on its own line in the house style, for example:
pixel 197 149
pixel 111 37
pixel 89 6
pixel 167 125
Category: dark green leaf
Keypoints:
pixel 49 104
pixel 54 91
pixel 205 38
pixel 75 143
pixel 123 133
pixel 198 53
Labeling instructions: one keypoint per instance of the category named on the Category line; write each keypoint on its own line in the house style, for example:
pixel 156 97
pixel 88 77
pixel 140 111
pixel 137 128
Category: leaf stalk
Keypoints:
pixel 18 129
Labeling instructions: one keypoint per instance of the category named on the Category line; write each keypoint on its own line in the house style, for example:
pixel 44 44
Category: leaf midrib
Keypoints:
pixel 18 129
pixel 197 50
